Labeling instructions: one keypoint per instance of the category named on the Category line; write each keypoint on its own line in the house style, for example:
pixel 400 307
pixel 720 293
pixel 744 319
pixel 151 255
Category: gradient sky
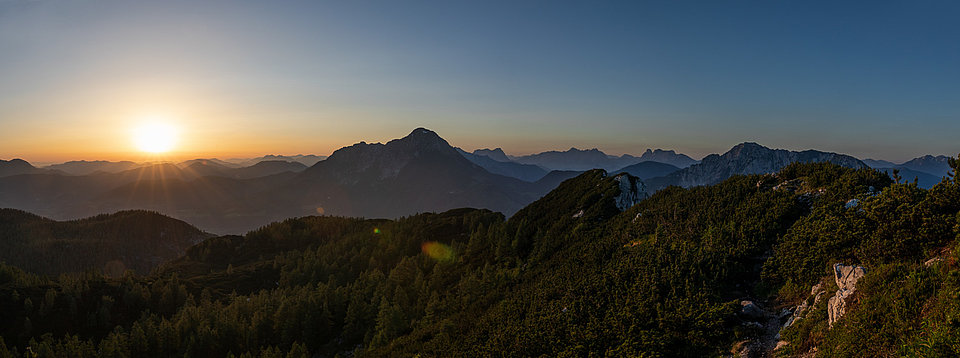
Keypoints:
pixel 244 78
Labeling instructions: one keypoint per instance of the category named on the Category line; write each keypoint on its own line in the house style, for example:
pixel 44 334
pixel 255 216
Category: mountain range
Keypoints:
pixel 582 160
pixel 83 167
pixel 496 162
pixel 927 170
pixel 420 172
pixel 306 160
pixel 18 167
pixel 747 158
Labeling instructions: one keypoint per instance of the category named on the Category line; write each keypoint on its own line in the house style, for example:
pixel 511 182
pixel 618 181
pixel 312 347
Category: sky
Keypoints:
pixel 874 79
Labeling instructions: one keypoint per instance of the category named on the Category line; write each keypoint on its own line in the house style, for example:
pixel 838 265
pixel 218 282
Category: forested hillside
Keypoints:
pixel 135 240
pixel 569 275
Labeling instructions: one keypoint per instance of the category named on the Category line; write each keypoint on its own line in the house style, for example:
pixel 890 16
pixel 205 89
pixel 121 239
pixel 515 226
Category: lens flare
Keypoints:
pixel 438 251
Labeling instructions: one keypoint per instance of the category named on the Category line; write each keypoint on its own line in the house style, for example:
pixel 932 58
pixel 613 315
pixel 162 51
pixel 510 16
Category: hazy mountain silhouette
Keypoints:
pixel 877 163
pixel 134 240
pixel 582 160
pixel 418 173
pixel 746 158
pixel 306 160
pixel 209 161
pixel 576 159
pixel 216 203
pixel 265 168
pixel 555 177
pixel 933 165
pixel 18 167
pixel 924 180
pixel 647 170
pixel 495 154
pixel 204 167
pixel 83 167
pixel 525 172
pixel 928 170
pixel 668 157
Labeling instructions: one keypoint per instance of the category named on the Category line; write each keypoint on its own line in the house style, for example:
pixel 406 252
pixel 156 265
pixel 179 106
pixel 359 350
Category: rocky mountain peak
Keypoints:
pixel 386 160
pixel 745 148
pixel 495 154
pixel 423 135
pixel 668 157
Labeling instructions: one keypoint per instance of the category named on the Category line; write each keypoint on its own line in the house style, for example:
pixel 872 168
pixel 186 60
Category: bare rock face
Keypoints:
pixel 632 190
pixel 846 277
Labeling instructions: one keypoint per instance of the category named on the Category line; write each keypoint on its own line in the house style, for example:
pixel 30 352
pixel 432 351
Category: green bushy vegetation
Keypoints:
pixel 128 240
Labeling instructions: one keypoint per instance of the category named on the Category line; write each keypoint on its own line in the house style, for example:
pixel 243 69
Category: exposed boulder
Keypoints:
pixel 852 203
pixel 846 277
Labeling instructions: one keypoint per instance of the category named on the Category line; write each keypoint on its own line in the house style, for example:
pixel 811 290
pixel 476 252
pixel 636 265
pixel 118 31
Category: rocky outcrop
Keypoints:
pixel 764 323
pixel 632 190
pixel 846 277
pixel 800 311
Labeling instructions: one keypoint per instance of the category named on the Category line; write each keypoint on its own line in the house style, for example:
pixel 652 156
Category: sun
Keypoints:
pixel 155 137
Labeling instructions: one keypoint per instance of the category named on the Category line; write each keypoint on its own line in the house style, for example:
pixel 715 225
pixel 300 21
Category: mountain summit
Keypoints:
pixel 381 161
pixel 748 158
pixel 417 173
pixel 667 157
pixel 18 166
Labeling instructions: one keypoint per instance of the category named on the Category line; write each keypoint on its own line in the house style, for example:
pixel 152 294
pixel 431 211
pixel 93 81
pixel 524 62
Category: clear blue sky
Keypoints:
pixel 872 79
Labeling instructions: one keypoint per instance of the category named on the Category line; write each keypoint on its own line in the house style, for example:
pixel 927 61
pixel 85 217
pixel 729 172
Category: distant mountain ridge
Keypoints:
pixel 876 163
pixel 582 160
pixel 747 158
pixel 668 157
pixel 420 172
pixel 577 159
pixel 934 165
pixel 207 161
pixel 495 154
pixel 260 169
pixel 928 170
pixel 649 169
pixel 83 167
pixel 19 166
pixel 525 172
pixel 306 160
